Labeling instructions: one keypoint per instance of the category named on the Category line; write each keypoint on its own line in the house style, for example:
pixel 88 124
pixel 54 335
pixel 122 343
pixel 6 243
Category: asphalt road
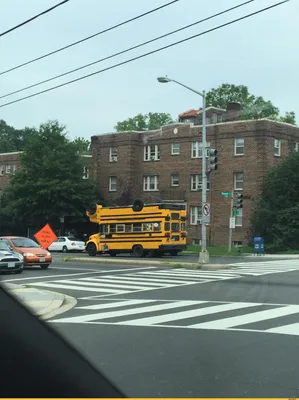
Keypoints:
pixel 180 258
pixel 160 341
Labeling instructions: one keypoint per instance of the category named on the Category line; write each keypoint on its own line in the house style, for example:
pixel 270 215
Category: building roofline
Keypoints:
pixel 12 152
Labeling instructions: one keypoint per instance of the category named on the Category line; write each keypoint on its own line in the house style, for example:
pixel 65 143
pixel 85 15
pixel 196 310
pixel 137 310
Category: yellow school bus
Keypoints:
pixel 141 229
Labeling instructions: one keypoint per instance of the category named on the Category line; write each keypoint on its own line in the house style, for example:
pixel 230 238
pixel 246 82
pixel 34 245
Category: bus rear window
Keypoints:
pixel 167 226
pixel 175 227
pixel 175 216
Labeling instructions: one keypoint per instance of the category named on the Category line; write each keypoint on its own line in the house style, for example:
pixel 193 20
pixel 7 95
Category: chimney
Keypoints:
pixel 233 111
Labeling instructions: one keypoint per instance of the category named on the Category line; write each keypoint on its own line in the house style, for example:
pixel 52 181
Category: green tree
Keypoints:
pixel 252 107
pixel 83 145
pixel 276 213
pixel 12 139
pixel 50 183
pixel 146 122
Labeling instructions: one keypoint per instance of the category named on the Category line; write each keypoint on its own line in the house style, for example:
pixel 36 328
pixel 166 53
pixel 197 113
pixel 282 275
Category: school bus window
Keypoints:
pixel 112 228
pixel 128 228
pixel 175 216
pixel 137 227
pixel 183 226
pixel 103 228
pixel 167 226
pixel 157 227
pixel 175 227
pixel 120 228
pixel 147 227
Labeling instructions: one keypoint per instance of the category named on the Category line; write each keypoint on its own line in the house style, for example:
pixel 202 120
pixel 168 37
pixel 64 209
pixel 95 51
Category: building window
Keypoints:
pixel 219 118
pixel 85 172
pixel 196 182
pixel 151 152
pixel 208 121
pixel 112 183
pixel 175 149
pixel 150 183
pixel 14 168
pixel 196 150
pixel 239 147
pixel 239 217
pixel 277 147
pixel 1 170
pixel 237 243
pixel 196 242
pixel 7 170
pixel 195 215
pixel 214 118
pixel 238 180
pixel 296 146
pixel 174 180
pixel 113 154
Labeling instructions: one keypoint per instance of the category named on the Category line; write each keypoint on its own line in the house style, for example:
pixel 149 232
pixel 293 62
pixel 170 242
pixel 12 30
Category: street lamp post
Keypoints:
pixel 204 254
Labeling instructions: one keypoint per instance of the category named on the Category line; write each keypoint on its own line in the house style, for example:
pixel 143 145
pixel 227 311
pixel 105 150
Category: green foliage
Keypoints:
pixel 83 145
pixel 147 122
pixel 251 107
pixel 12 139
pixel 276 214
pixel 50 183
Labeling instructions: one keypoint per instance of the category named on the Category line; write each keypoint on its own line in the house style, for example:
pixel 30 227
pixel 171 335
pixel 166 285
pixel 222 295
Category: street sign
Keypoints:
pixel 235 212
pixel 232 223
pixel 206 212
pixel 45 236
pixel 226 194
pixel 206 209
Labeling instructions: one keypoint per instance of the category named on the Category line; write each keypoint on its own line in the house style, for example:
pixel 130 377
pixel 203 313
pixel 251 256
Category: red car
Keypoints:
pixel 32 252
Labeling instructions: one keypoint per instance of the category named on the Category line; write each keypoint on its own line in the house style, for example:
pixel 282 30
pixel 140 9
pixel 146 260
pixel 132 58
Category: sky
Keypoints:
pixel 260 52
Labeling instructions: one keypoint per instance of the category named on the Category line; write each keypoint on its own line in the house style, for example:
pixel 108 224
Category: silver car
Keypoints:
pixel 10 261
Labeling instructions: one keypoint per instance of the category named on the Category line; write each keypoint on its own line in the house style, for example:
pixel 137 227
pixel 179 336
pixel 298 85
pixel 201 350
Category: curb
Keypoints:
pixel 67 304
pixel 165 263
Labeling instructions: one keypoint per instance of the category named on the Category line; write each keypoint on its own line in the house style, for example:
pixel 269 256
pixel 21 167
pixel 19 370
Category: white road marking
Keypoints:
pixel 161 319
pixel 121 313
pixel 48 276
pixel 74 287
pixel 101 284
pixel 115 304
pixel 246 319
pixel 291 329
pixel 124 280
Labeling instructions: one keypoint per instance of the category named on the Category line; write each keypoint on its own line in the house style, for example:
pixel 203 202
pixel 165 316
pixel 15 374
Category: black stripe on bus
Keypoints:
pixel 129 241
pixel 105 219
pixel 127 215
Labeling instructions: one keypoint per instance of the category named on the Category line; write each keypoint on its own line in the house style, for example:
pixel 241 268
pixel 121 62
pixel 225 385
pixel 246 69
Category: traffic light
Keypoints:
pixel 213 160
pixel 239 200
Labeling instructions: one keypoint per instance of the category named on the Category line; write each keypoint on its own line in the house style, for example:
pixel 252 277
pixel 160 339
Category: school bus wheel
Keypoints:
pixel 137 250
pixel 91 249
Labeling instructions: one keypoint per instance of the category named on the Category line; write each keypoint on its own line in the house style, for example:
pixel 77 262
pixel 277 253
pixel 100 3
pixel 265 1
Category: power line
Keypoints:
pixel 125 51
pixel 32 18
pixel 146 54
pixel 88 37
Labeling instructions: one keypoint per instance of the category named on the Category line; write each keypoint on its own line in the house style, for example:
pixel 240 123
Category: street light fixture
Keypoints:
pixel 204 254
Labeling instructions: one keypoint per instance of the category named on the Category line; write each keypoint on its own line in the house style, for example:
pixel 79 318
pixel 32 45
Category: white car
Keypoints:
pixel 67 243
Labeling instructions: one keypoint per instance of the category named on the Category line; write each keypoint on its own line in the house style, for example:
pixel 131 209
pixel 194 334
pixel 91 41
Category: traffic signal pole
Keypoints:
pixel 230 230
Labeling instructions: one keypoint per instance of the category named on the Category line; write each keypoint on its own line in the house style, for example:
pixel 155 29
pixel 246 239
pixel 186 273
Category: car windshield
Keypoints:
pixel 4 246
pixel 24 242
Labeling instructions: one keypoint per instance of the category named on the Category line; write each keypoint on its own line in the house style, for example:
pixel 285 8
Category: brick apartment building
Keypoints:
pixel 10 163
pixel 166 165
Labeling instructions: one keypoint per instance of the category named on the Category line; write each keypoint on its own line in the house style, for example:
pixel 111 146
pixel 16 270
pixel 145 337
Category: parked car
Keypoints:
pixel 10 261
pixel 67 243
pixel 32 252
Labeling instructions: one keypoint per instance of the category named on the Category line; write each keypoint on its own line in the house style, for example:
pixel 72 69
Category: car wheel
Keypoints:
pixel 64 249
pixel 44 266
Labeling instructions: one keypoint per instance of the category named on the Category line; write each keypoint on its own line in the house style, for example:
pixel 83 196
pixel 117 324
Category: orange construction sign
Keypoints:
pixel 45 236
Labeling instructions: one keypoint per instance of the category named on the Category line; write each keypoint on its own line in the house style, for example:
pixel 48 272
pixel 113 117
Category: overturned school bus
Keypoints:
pixel 139 229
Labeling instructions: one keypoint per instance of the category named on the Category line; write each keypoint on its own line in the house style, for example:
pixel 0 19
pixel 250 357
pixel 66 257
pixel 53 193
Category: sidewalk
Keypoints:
pixel 44 304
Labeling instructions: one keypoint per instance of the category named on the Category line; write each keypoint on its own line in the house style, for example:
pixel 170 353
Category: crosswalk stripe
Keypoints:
pixel 246 319
pixel 124 280
pixel 160 319
pixel 75 287
pixel 141 279
pixel 114 304
pixel 291 329
pixel 122 313
pixel 105 285
pixel 169 274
